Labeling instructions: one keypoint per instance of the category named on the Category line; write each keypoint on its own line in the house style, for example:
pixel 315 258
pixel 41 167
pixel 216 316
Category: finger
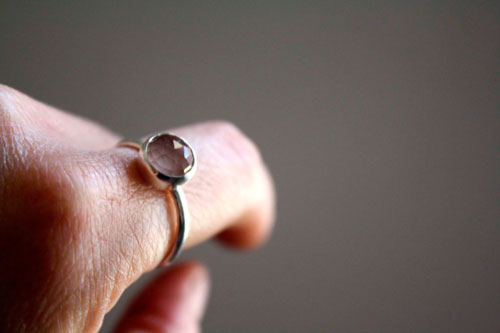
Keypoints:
pixel 230 192
pixel 231 195
pixel 173 302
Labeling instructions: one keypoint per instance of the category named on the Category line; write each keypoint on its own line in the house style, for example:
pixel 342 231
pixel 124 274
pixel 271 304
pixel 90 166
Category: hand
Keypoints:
pixel 79 224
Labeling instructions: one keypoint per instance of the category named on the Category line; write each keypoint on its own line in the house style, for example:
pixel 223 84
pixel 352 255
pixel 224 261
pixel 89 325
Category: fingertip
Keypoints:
pixel 253 230
pixel 235 239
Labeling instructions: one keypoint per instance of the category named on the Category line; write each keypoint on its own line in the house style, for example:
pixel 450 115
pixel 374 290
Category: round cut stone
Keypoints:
pixel 170 155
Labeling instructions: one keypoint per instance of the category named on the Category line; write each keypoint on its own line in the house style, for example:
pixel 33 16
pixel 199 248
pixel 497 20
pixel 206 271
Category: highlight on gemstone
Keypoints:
pixel 169 155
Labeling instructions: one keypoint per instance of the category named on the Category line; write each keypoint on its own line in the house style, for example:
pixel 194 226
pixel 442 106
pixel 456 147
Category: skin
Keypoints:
pixel 79 222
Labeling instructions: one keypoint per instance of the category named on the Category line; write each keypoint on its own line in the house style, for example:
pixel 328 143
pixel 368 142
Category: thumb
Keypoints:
pixel 173 302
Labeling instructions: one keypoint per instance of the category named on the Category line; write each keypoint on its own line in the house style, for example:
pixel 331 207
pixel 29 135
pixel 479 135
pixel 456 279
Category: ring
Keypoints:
pixel 170 162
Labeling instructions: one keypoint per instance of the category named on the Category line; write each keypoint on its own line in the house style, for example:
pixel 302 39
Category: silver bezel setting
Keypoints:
pixel 171 180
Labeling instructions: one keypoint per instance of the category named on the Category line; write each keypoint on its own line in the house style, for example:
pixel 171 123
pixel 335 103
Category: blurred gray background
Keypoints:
pixel 379 120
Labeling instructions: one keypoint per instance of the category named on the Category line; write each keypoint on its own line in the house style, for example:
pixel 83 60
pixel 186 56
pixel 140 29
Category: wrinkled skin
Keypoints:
pixel 79 222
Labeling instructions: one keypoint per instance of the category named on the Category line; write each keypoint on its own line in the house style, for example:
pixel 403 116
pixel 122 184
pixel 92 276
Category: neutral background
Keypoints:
pixel 380 122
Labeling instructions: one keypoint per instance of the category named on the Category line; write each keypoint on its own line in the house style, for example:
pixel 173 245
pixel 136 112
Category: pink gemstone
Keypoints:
pixel 170 155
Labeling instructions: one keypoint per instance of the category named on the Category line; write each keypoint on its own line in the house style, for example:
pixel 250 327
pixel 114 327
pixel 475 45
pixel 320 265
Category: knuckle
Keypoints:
pixel 8 101
pixel 13 126
pixel 237 142
pixel 18 110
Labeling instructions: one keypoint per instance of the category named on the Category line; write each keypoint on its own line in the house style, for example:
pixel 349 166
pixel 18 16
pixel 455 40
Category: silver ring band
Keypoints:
pixel 170 161
pixel 182 227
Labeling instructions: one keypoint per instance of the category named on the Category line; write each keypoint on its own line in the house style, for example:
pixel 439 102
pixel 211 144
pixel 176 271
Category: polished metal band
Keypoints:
pixel 183 225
